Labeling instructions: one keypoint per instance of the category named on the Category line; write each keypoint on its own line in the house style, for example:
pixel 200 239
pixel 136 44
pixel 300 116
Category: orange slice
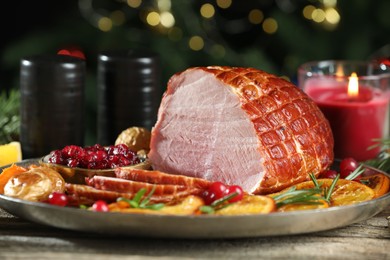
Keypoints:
pixel 8 173
pixel 250 204
pixel 187 206
pixel 379 182
pixel 10 153
pixel 346 192
pixel 304 206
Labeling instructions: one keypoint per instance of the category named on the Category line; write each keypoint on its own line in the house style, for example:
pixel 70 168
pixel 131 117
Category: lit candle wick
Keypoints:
pixel 353 86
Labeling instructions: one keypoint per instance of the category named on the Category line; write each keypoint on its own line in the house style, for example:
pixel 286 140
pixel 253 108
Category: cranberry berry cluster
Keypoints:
pixel 95 156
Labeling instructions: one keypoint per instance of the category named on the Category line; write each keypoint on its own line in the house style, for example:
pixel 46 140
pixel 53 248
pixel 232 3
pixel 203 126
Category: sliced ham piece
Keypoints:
pixel 166 192
pixel 157 177
pixel 240 126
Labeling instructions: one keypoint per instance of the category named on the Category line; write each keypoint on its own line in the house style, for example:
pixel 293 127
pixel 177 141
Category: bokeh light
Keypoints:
pixel 332 16
pixel 134 3
pixel 318 15
pixel 270 25
pixel 207 10
pixel 153 18
pixel 308 11
pixel 256 16
pixel 196 43
pixel 167 19
pixel 105 24
pixel 224 3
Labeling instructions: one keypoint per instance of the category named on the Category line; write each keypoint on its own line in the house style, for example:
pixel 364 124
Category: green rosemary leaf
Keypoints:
pixel 284 194
pixel 314 180
pixel 138 196
pixel 329 191
pixel 220 201
pixel 132 203
pixel 207 209
pixel 359 170
pixel 136 202
pixel 304 196
pixel 382 160
pixel 145 201
pixel 379 143
pixel 218 204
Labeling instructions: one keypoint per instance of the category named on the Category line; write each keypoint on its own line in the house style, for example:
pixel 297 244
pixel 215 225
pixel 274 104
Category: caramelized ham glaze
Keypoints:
pixel 157 177
pixel 240 126
pixel 111 188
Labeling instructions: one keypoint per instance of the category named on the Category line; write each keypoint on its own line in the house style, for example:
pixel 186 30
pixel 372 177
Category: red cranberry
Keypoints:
pixel 347 166
pixel 100 205
pixel 329 174
pixel 237 189
pixel 95 156
pixel 58 199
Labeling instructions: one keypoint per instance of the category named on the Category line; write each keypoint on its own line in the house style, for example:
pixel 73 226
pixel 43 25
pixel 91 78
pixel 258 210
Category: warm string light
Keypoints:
pixel 327 15
pixel 159 16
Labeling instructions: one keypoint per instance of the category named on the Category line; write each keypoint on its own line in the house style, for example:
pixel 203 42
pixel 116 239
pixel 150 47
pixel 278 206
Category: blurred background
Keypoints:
pixel 273 35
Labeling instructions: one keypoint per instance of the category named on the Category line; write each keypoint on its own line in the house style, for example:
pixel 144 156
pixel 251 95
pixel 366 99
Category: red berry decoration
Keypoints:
pixel 235 189
pixel 58 199
pixel 218 190
pixel 94 157
pixel 347 166
pixel 100 205
pixel 331 174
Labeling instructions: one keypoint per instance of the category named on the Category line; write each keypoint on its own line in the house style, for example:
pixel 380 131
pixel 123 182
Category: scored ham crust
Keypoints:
pixel 240 126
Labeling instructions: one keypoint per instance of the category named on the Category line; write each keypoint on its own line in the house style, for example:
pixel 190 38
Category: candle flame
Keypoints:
pixel 353 85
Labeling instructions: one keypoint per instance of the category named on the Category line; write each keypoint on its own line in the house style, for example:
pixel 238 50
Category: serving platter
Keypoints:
pixel 191 226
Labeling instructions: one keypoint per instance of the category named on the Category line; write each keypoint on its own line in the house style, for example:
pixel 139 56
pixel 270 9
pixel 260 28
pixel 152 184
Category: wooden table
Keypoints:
pixel 20 239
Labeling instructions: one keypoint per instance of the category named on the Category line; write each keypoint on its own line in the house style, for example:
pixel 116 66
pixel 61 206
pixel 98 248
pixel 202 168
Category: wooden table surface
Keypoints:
pixel 21 239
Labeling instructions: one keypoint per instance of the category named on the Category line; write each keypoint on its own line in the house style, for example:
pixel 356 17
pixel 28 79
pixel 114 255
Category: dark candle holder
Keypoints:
pixel 52 103
pixel 129 92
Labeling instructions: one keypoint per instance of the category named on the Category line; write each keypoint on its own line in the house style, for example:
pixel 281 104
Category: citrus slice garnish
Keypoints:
pixel 250 204
pixel 187 206
pixel 320 204
pixel 379 182
pixel 345 192
pixel 10 153
pixel 8 173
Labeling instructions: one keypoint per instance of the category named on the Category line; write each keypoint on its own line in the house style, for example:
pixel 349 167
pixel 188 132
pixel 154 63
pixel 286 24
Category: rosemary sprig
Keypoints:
pixel 218 204
pixel 328 192
pixel 359 170
pixel 312 196
pixel 294 196
pixel 382 160
pixel 138 202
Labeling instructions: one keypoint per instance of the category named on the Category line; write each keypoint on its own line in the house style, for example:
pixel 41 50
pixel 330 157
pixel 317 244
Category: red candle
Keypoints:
pixel 357 114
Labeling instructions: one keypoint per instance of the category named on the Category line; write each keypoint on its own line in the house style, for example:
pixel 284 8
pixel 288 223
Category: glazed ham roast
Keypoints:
pixel 240 126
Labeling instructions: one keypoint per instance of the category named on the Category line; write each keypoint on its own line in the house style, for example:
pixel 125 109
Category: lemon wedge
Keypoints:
pixel 10 153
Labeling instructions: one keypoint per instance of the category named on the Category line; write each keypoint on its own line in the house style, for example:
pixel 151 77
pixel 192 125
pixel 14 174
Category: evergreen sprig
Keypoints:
pixel 9 116
pixel 382 160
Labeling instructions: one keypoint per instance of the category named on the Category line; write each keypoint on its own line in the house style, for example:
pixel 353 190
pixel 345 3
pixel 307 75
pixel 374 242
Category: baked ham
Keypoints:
pixel 240 126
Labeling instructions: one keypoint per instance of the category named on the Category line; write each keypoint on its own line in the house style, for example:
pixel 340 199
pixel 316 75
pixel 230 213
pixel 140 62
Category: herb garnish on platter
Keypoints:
pixel 382 161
